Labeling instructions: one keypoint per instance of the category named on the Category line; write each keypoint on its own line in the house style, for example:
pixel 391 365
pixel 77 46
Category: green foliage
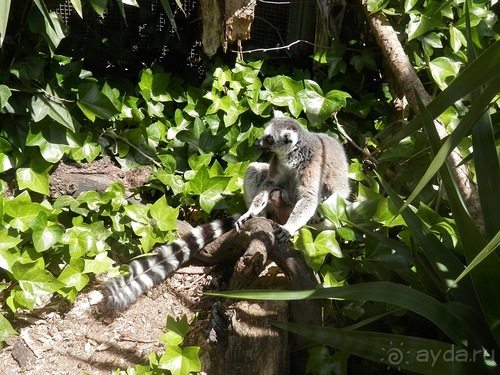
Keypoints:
pixel 175 359
pixel 450 266
pixel 199 139
pixel 405 266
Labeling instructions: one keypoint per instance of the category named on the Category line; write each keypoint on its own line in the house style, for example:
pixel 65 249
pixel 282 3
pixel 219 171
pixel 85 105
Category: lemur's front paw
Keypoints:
pixel 281 234
pixel 239 223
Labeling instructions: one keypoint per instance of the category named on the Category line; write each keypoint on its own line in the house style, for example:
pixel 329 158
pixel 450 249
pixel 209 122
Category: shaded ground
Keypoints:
pixel 78 342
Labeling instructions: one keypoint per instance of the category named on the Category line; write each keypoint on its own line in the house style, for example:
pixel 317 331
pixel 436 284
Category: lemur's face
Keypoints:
pixel 279 137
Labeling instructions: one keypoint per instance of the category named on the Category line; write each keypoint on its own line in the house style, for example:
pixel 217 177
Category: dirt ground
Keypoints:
pixel 61 339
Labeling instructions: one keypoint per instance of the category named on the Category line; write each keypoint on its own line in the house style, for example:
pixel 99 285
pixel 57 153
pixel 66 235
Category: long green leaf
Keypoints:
pixel 445 264
pixel 460 331
pixel 485 154
pixel 485 275
pixel 414 354
pixel 487 171
pixel 492 246
pixel 45 12
pixel 170 15
pixel 479 73
pixel 77 5
pixel 4 19
pixel 463 128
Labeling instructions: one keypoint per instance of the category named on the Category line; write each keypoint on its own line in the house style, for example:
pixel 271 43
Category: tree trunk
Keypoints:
pixel 408 81
pixel 243 341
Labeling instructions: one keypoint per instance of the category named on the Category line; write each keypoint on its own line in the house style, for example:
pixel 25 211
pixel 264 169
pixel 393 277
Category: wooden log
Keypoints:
pixel 245 342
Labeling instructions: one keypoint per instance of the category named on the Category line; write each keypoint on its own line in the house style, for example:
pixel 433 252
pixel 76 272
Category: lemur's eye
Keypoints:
pixel 270 140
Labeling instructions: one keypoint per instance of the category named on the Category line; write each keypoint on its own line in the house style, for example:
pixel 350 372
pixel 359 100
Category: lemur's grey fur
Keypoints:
pixel 308 167
pixel 149 271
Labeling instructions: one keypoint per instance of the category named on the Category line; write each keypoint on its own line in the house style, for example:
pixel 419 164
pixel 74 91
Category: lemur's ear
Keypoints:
pixel 278 113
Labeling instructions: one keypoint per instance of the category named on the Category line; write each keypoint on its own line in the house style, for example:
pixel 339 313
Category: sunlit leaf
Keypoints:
pixel 180 361
pixel 45 233
pixel 443 68
pixel 99 6
pixel 176 330
pixel 4 19
pixel 6 329
pixel 77 5
pixel 34 280
pixel 28 178
pixel 5 93
pixel 165 216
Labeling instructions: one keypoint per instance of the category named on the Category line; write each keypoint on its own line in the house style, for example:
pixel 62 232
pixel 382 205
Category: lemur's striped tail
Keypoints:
pixel 147 272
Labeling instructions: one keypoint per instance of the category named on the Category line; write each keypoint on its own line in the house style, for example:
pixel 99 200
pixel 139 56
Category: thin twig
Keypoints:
pixel 281 47
pixel 53 97
pixel 349 139
pixel 113 135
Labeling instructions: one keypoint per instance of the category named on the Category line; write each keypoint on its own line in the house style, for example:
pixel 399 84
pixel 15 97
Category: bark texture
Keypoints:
pixel 225 22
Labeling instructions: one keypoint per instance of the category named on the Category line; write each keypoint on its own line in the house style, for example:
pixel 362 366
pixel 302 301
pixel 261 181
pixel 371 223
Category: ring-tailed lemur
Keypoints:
pixel 308 167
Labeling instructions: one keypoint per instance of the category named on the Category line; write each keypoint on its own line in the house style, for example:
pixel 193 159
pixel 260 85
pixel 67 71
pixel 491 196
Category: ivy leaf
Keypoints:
pixel 35 281
pixel 45 233
pixel 442 68
pixel 176 330
pixel 39 108
pixel 316 250
pixel 173 181
pixel 86 149
pixel 8 252
pixel 313 257
pixel 22 211
pixel 5 329
pixel 74 278
pixel 319 107
pixel 60 113
pixel 180 361
pixel 326 242
pixel 209 189
pixel 94 103
pixel 87 239
pixel 5 94
pixel 457 39
pixel 79 240
pixel 50 138
pixel 28 178
pixel 375 6
pixel 282 91
pixel 420 24
pixel 196 161
pixel 154 86
pixel 55 108
pixel 164 215
pixel 101 263
pixel 6 162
